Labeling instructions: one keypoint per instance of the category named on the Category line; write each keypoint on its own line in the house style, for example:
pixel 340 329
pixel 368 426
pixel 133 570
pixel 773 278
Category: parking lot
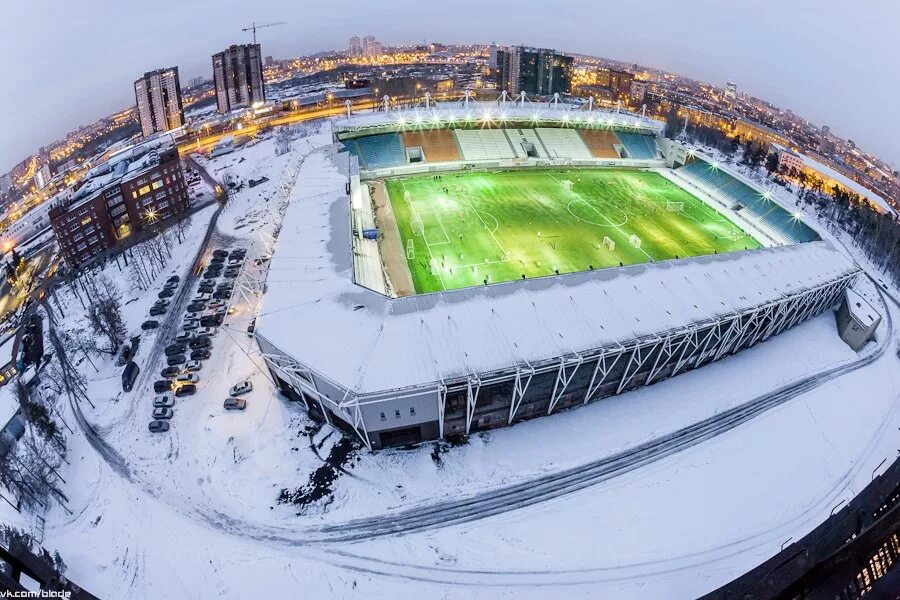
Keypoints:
pixel 209 293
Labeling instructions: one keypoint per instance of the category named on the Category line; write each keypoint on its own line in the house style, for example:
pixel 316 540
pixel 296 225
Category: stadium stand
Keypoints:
pixel 485 144
pixel 639 146
pixel 378 151
pixel 601 143
pixel 751 204
pixel 522 138
pixel 438 145
pixel 564 143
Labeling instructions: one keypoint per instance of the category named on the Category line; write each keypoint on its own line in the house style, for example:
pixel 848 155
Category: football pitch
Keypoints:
pixel 464 229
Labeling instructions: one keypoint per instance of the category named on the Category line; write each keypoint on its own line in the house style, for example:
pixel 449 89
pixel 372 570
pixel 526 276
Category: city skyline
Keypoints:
pixel 788 63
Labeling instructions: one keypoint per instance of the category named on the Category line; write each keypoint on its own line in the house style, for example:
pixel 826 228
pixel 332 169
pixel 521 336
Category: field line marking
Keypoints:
pixel 427 246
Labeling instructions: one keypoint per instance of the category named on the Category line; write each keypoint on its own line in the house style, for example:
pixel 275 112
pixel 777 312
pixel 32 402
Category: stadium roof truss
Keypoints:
pixel 347 350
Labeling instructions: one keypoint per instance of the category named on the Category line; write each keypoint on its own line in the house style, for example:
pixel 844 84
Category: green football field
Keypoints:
pixel 465 228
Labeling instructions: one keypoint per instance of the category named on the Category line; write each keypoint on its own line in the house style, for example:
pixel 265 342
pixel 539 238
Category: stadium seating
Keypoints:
pixel 438 145
pixel 754 206
pixel 563 143
pixel 520 138
pixel 639 146
pixel 379 151
pixel 485 144
pixel 601 143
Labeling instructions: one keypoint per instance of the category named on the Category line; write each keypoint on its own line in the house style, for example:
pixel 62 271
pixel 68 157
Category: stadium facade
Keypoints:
pixel 399 370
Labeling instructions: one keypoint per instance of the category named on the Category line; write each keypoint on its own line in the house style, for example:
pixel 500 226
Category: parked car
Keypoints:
pixel 195 308
pixel 173 349
pixel 251 327
pixel 158 426
pixel 238 252
pixel 222 294
pixel 235 404
pixel 220 252
pixel 241 388
pixel 190 324
pixel 147 325
pixel 210 320
pixel 162 385
pixel 166 293
pixel 164 302
pixel 225 285
pixel 217 260
pixel 201 354
pixel 163 401
pixel 210 275
pixel 170 372
pixel 207 332
pixel 194 365
pixel 187 389
pixel 173 279
pixel 178 359
pixel 202 342
pixel 163 413
pixel 157 311
pixel 184 336
pixel 129 375
pixel 202 297
pixel 187 378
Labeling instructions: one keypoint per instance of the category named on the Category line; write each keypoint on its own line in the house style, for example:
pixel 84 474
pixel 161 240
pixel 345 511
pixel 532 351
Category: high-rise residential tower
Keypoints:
pixel 238 75
pixel 159 104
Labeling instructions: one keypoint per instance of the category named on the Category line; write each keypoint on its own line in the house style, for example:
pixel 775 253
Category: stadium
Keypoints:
pixel 448 269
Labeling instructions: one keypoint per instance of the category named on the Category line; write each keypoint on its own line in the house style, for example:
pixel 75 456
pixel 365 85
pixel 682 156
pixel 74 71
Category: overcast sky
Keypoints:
pixel 67 63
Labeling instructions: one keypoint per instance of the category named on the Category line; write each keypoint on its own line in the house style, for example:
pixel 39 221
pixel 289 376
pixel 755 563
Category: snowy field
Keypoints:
pixel 194 513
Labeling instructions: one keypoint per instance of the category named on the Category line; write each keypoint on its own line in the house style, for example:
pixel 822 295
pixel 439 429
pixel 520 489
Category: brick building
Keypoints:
pixel 139 188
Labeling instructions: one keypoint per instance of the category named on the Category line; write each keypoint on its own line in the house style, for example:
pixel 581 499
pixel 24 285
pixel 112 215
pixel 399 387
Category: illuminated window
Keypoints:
pixel 144 190
pixel 85 220
pixel 157 184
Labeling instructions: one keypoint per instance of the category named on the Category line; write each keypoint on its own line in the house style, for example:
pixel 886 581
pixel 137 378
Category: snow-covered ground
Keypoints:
pixel 195 512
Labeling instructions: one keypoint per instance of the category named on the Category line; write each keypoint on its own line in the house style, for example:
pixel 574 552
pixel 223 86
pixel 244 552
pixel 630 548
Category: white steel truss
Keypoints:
pixel 667 353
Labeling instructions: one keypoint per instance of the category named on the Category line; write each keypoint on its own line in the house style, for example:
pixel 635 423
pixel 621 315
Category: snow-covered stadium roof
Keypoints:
pixel 369 343
pixel 497 113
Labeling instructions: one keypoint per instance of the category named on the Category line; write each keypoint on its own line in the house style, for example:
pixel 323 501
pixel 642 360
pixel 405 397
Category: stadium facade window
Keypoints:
pixel 412 411
pixel 397 413
pixel 383 418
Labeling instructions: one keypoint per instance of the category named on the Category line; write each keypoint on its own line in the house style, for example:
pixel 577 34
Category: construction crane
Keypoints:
pixel 253 27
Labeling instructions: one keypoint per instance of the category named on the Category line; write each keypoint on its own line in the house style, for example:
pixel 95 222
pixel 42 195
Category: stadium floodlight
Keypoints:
pixel 436 119
pixel 797 215
pixel 401 120
pixel 767 194
pixel 486 116
pixel 715 164
pixel 418 119
pixel 535 116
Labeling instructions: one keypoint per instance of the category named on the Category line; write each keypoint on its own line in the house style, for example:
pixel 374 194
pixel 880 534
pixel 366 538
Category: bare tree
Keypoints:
pixel 104 312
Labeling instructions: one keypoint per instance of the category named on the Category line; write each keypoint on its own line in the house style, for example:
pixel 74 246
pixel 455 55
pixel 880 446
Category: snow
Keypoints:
pixel 842 179
pixel 6 350
pixel 193 513
pixel 425 339
pixel 9 404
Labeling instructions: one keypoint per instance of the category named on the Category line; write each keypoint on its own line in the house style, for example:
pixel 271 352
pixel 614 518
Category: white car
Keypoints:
pixel 241 388
pixel 163 401
pixel 193 365
pixel 202 297
pixel 187 378
pixel 207 331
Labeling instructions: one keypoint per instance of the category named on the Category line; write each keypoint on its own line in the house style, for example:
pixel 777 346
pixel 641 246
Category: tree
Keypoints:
pixel 771 163
pixel 104 312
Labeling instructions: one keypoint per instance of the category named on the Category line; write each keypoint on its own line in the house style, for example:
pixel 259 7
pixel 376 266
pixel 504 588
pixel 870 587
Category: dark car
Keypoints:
pixel 231 273
pixel 178 359
pixel 210 321
pixel 220 252
pixel 187 389
pixel 217 260
pixel 201 354
pixel 158 426
pixel 195 307
pixel 149 325
pixel 170 372
pixel 211 274
pixel 251 327
pixel 129 375
pixel 173 279
pixel 162 385
pixel 237 253
pixel 222 294
pixel 157 311
pixel 166 293
pixel 206 287
pixel 173 349
pixel 202 342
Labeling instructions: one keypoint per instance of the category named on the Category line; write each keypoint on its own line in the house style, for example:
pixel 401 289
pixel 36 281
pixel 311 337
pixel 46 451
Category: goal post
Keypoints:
pixel 410 250
pixel 608 242
pixel 675 206
pixel 417 227
pixel 634 241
